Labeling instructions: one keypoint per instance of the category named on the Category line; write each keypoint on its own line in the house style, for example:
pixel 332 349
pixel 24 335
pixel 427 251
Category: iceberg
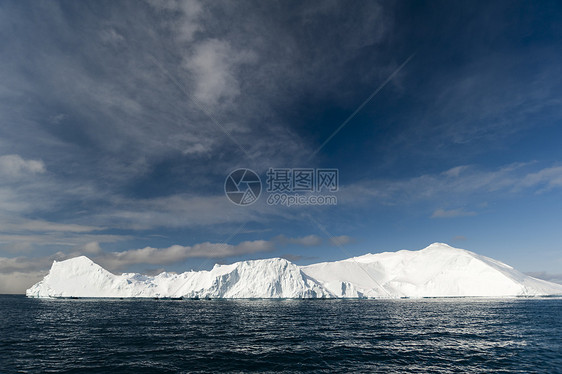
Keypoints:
pixel 270 278
pixel 436 271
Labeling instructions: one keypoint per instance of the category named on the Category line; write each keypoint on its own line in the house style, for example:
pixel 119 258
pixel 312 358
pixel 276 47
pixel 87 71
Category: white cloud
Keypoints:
pixel 548 179
pixel 16 166
pixel 179 253
pixel 111 36
pixel 213 64
pixel 115 116
pixel 313 240
pixel 189 24
pixel 456 171
pixel 26 264
pixel 341 240
pixel 185 22
pixel 91 248
pixel 307 241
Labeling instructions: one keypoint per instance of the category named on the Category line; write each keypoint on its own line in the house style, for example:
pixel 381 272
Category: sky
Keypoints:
pixel 120 122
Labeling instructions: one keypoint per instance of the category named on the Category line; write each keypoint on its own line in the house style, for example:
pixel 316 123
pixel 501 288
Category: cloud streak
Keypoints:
pixel 178 253
pixel 460 182
pixel 45 226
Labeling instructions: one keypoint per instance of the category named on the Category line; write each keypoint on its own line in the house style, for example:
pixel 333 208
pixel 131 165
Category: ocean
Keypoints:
pixel 347 336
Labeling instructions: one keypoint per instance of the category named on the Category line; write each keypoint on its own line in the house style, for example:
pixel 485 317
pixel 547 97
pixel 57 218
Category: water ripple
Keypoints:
pixel 165 336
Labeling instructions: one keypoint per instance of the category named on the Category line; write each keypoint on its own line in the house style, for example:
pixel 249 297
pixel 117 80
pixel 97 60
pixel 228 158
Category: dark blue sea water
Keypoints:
pixel 168 336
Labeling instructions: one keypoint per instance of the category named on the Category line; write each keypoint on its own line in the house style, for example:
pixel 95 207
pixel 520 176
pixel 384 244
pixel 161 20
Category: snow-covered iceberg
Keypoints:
pixel 436 271
pixel 271 278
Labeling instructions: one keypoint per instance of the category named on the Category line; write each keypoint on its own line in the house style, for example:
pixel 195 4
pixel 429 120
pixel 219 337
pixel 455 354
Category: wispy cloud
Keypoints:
pixel 295 258
pixel 546 179
pixel 107 123
pixel 18 243
pixel 179 253
pixel 459 182
pixel 307 241
pixel 451 213
pixel 23 225
pixel 476 106
pixel 118 137
pixel 556 278
pixel 341 240
pixel 459 238
pixel 214 64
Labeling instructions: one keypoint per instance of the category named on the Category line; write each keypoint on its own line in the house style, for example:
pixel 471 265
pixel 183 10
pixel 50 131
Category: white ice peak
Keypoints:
pixel 438 270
